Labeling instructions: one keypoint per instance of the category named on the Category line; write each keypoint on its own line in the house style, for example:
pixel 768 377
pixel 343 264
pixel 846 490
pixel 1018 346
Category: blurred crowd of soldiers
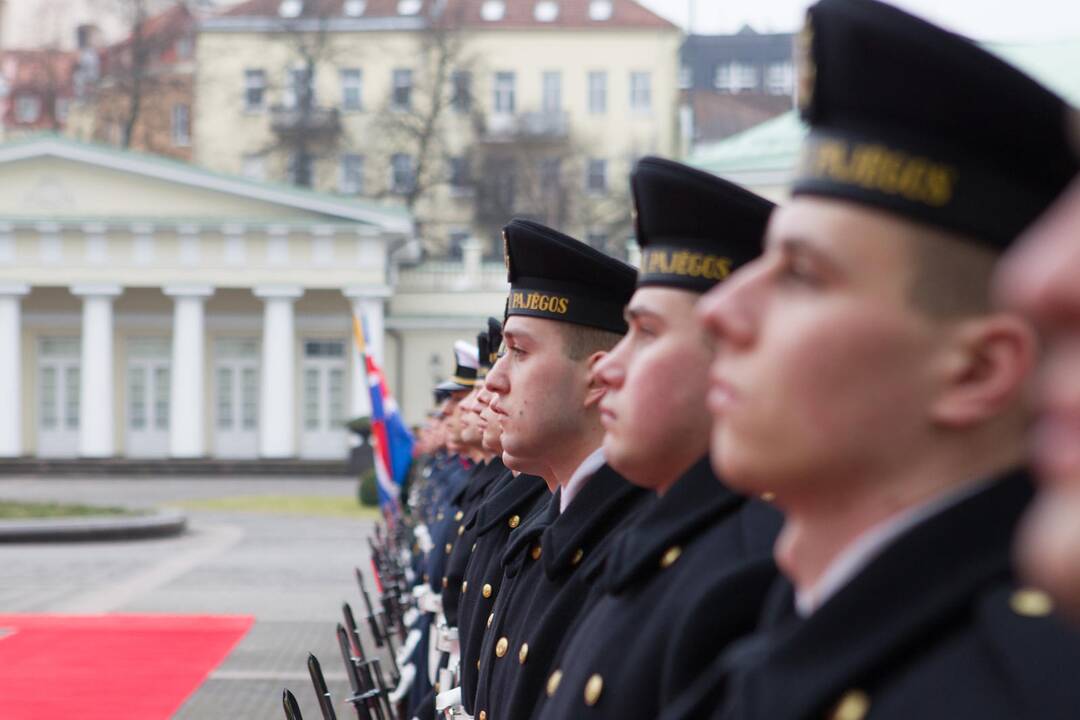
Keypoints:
pixel 820 460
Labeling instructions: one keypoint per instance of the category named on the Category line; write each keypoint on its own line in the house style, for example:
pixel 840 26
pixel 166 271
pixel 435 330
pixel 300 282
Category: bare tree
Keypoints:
pixel 413 121
pixel 130 92
pixel 304 130
pixel 538 171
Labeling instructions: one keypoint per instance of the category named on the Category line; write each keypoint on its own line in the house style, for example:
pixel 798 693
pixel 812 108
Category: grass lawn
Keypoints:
pixel 12 510
pixel 317 505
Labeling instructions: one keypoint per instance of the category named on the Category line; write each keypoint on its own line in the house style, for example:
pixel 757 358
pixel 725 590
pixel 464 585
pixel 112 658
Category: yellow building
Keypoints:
pixel 541 106
pixel 149 308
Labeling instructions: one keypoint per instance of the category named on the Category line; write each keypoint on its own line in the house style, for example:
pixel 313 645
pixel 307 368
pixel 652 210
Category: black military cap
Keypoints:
pixel 483 353
pixel 464 377
pixel 694 228
pixel 557 277
pixel 910 118
pixel 494 335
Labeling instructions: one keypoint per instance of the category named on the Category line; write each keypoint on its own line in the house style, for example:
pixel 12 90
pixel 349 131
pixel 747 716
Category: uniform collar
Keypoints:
pixel 512 496
pixel 868 545
pixel 581 476
pixel 483 479
pixel 695 502
pixel 526 535
pixel 576 533
pixel 870 622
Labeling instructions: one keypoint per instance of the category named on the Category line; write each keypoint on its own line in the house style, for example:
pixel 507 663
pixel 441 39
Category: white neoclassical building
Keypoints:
pixel 152 309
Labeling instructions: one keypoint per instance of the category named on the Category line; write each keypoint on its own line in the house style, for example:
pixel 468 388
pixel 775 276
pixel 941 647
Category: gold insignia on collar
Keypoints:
pixel 1031 602
pixel 506 251
pixel 852 706
pixel 806 68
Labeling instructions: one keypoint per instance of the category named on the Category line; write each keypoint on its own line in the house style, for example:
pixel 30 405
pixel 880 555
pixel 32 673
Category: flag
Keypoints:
pixel 391 441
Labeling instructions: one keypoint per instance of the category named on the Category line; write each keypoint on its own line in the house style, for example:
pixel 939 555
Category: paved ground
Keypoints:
pixel 291 572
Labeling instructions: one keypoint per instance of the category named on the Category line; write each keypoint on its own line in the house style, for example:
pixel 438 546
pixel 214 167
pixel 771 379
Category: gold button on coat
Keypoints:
pixel 670 556
pixel 486 590
pixel 1031 602
pixel 461 530
pixel 491 619
pixel 449 547
pixel 501 647
pixel 578 555
pixel 458 515
pixel 523 653
pixel 536 552
pixel 514 521
pixel 593 688
pixel 852 706
pixel 464 584
pixel 553 682
pixel 445 581
pixel 483 715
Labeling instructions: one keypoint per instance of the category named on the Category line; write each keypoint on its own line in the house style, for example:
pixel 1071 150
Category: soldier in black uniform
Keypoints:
pixel 691 574
pixel 565 311
pixel 1042 281
pixel 511 503
pixel 438 513
pixel 863 376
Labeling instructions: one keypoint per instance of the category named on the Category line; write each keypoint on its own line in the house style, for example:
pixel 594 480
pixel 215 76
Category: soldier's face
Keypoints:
pixel 822 370
pixel 491 424
pixel 655 421
pixel 452 423
pixel 1042 278
pixel 470 431
pixel 541 393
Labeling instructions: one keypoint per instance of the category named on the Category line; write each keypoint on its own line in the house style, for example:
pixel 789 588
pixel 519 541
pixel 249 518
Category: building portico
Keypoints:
pixel 150 309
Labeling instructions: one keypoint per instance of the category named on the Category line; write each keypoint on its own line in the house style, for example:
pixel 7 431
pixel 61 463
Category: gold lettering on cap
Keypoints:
pixel 686 263
pixel 875 167
pixel 542 302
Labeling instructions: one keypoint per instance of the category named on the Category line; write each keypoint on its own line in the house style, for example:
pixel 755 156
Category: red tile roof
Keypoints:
pixel 518 13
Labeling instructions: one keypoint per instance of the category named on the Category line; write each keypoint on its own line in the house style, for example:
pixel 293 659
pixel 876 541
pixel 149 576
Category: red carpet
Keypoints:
pixel 140 667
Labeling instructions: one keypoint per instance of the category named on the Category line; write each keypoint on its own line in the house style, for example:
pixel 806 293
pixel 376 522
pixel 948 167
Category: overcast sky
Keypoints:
pixel 1013 20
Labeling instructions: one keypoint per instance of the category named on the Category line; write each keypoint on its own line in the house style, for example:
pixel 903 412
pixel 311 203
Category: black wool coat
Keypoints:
pixel 936 627
pixel 687 578
pixel 511 505
pixel 543 591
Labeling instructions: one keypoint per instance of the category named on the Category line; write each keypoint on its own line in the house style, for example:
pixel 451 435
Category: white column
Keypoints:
pixel 368 305
pixel 277 406
pixel 11 369
pixel 187 391
pixel 96 395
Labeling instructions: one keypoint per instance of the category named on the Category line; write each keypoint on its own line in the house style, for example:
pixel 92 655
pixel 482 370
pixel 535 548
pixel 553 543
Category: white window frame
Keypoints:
pixel 401 79
pixel 351 179
pixel 551 91
pixel 597 92
pixel 503 92
pixel 402 188
pixel 352 81
pixel 641 92
pixel 254 81
pixel 180 124
pixel 780 78
pixel 591 166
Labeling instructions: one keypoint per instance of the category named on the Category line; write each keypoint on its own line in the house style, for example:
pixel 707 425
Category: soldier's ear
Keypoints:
pixel 596 389
pixel 987 369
